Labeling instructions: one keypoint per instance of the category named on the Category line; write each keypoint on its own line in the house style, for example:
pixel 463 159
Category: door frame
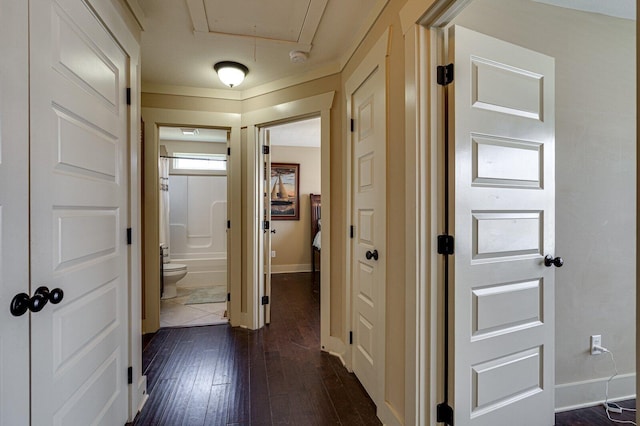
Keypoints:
pixel 153 119
pixel 424 178
pixel 252 121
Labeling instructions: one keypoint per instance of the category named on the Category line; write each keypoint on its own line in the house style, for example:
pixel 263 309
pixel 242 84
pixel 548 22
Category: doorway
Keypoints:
pixel 193 205
pixel 291 171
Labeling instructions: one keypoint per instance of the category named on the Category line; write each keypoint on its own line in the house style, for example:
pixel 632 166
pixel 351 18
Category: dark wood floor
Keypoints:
pixel 218 375
pixel 595 416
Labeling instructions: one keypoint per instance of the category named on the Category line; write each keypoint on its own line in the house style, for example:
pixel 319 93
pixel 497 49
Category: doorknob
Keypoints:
pixel 19 304
pixel 551 261
pixel 22 303
pixel 373 255
pixel 39 299
pixel 273 231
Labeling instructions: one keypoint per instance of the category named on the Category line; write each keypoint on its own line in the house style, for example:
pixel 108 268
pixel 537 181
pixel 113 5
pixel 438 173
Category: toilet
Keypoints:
pixel 172 273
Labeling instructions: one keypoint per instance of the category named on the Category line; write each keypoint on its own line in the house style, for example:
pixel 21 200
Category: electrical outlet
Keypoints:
pixel 273 253
pixel 596 340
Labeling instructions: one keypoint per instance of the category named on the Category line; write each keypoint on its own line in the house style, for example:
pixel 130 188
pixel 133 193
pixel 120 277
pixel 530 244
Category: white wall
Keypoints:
pixel 198 216
pixel 595 186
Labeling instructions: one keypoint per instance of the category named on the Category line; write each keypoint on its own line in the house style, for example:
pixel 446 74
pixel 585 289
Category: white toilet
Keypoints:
pixel 172 273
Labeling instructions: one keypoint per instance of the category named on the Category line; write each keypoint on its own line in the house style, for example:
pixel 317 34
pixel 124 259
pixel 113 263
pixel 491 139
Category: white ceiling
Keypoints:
pixel 202 135
pixel 302 133
pixel 617 8
pixel 183 39
pixel 305 133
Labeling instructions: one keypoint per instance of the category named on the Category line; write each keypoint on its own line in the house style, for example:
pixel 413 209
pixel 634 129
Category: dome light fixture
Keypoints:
pixel 231 73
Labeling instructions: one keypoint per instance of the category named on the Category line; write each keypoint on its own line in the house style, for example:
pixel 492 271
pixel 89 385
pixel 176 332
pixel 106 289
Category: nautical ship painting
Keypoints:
pixel 284 191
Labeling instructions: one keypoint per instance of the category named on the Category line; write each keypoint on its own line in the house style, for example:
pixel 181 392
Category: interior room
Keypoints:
pixel 193 220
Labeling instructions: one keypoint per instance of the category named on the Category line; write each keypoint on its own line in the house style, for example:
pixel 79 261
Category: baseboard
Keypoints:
pixel 571 396
pixel 288 269
pixel 142 391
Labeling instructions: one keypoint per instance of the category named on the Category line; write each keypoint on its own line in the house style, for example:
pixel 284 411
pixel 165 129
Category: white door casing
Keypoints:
pixel 502 100
pixel 266 136
pixel 14 205
pixel 369 243
pixel 79 186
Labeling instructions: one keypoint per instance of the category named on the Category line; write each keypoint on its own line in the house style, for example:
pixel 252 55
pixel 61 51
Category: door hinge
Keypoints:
pixel 129 237
pixel 265 300
pixel 265 225
pixel 228 224
pixel 352 231
pixel 353 125
pixel 445 74
pixel 351 337
pixel 130 375
pixel 228 151
pixel 444 414
pixel 445 244
pixel 128 95
pixel 265 149
pixel 228 297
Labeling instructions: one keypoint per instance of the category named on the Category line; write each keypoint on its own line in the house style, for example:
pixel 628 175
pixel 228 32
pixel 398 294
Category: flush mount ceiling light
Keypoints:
pixel 231 73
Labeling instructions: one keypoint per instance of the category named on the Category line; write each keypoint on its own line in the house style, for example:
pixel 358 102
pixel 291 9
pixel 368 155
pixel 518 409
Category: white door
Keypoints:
pixel 79 187
pixel 14 205
pixel 369 242
pixel 503 126
pixel 267 179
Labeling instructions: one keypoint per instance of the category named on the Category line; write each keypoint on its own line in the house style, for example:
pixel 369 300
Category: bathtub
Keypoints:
pixel 203 272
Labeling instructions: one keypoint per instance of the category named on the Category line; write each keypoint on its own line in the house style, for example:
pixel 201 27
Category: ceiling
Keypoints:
pixel 301 133
pixel 183 39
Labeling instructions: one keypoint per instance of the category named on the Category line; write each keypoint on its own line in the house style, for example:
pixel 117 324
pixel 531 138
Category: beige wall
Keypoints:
pixel 292 240
pixel 595 177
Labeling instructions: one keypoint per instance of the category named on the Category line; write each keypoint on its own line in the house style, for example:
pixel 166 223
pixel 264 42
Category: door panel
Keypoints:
pixel 14 205
pixel 369 198
pixel 503 127
pixel 78 217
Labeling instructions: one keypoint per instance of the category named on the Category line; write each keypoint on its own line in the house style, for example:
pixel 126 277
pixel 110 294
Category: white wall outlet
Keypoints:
pixel 273 253
pixel 596 340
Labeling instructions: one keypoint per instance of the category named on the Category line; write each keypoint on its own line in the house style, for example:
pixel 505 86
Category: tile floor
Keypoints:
pixel 174 313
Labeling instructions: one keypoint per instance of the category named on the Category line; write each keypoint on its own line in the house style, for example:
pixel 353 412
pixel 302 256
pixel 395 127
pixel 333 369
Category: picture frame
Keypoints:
pixel 285 191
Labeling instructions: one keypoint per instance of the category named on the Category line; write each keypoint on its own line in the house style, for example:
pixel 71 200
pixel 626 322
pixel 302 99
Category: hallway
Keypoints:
pixel 218 375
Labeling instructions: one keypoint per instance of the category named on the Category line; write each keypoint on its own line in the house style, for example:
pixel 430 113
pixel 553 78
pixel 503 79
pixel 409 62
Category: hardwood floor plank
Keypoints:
pixel 218 375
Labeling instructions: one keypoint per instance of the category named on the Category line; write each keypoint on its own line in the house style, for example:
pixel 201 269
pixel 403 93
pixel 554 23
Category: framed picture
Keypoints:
pixel 285 184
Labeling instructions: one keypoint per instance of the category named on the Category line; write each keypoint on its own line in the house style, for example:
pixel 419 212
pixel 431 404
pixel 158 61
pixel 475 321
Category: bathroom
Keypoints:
pixel 193 218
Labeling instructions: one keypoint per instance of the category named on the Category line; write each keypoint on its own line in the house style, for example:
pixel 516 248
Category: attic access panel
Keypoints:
pixel 287 21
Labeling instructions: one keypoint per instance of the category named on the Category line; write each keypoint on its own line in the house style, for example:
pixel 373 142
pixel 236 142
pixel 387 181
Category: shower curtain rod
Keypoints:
pixel 193 158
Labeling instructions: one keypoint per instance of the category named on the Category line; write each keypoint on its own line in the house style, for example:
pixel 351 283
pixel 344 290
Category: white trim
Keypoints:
pixel 587 393
pixel 253 120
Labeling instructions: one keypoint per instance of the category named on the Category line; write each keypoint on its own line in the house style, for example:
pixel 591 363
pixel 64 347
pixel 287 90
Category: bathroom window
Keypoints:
pixel 203 162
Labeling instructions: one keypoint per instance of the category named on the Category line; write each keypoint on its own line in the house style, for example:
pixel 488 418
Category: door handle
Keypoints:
pixel 551 261
pixel 273 231
pixel 372 254
pixel 21 303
